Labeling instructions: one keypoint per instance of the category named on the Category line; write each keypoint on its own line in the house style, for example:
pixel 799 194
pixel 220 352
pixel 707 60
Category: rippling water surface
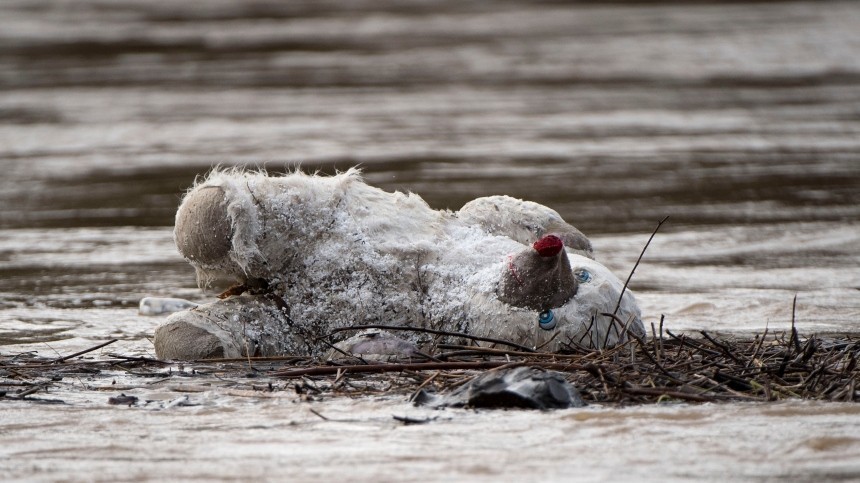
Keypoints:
pixel 741 122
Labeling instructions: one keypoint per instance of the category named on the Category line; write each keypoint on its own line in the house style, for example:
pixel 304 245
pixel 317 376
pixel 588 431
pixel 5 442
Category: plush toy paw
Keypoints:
pixel 186 337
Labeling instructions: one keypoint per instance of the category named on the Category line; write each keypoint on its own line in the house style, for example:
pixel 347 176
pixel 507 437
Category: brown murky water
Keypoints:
pixel 739 121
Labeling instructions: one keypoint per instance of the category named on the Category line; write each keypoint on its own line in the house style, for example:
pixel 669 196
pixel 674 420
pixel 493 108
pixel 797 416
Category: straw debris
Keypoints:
pixel 690 367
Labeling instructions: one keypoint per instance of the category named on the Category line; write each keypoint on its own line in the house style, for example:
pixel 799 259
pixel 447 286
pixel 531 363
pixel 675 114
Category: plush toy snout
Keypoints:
pixel 539 277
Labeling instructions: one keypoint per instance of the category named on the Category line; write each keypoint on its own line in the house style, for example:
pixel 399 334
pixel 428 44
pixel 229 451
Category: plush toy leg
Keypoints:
pixel 240 326
pixel 185 336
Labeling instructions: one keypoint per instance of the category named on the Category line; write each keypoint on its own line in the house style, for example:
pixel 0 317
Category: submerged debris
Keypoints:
pixel 518 387
pixel 123 400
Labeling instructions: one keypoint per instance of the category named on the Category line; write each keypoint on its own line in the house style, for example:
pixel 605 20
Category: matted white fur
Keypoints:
pixel 342 253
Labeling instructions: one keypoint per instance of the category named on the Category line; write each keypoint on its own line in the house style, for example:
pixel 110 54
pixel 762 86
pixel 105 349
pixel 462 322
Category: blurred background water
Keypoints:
pixel 738 120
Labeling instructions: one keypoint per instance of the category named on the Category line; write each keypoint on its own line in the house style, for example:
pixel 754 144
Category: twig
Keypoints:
pixel 689 343
pixel 721 346
pixel 757 348
pixel 662 316
pixel 32 390
pixel 429 331
pixel 794 336
pixel 655 341
pixel 505 352
pixel 406 420
pixel 665 391
pixel 641 254
pixel 85 351
pixel 423 366
pixel 547 342
pixel 318 414
pixel 141 359
pixel 424 384
pixel 243 359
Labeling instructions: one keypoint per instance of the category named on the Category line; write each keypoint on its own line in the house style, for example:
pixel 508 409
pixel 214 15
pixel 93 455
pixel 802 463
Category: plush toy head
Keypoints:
pixel 556 300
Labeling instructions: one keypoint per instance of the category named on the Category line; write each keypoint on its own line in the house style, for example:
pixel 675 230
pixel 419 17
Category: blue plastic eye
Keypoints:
pixel 582 276
pixel 546 320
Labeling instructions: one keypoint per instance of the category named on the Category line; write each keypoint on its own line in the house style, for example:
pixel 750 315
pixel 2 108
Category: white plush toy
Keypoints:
pixel 313 254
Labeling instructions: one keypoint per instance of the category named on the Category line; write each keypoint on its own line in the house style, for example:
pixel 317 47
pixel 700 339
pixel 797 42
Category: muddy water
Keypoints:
pixel 739 122
pixel 257 438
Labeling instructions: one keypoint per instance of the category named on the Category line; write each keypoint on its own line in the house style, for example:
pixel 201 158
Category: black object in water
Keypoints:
pixel 518 387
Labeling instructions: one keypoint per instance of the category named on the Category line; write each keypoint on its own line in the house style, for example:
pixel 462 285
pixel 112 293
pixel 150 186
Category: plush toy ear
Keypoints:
pixel 571 237
pixel 203 229
pixel 539 277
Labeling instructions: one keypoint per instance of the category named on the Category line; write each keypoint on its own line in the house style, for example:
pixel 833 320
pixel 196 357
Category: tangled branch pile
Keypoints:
pixel 695 368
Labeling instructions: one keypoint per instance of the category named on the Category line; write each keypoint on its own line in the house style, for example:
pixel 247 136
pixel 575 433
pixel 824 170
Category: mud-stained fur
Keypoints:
pixel 335 252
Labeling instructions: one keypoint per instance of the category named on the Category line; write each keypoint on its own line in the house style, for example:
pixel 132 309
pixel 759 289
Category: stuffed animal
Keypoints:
pixel 312 254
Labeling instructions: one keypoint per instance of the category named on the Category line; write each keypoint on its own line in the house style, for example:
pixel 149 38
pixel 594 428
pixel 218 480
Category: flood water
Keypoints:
pixel 741 122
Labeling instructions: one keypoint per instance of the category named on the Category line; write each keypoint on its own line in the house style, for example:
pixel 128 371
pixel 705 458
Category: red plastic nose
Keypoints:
pixel 549 246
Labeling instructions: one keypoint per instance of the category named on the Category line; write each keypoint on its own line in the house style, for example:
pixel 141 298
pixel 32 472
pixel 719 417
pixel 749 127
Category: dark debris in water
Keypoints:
pixel 699 367
pixel 122 399
pixel 407 421
pixel 515 387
